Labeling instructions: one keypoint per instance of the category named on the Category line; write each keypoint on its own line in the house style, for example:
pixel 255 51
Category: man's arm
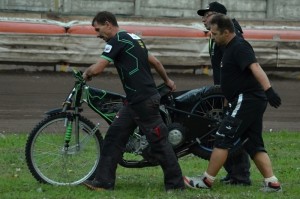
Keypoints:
pixel 95 69
pixel 262 78
pixel 161 71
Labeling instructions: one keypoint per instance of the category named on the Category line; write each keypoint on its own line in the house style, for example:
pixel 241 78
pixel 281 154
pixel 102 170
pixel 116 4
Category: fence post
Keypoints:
pixel 67 6
pixel 137 7
pixel 270 9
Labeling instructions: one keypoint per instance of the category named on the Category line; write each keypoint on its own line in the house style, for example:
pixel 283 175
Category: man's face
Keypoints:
pixel 207 18
pixel 219 37
pixel 103 30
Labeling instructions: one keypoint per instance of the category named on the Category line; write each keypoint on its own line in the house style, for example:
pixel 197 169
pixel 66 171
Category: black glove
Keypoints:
pixel 273 97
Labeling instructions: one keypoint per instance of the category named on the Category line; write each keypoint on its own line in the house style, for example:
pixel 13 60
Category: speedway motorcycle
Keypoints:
pixel 64 148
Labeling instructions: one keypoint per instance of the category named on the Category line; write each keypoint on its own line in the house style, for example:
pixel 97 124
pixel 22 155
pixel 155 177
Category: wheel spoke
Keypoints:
pixel 50 161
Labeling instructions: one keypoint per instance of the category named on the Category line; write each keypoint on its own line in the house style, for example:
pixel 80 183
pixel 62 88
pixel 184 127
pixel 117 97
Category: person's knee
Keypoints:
pixel 157 133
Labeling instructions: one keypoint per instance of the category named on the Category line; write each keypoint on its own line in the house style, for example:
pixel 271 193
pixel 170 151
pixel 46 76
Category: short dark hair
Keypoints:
pixel 104 16
pixel 223 22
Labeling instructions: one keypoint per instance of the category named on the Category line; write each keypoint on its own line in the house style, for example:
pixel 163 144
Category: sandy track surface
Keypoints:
pixel 25 97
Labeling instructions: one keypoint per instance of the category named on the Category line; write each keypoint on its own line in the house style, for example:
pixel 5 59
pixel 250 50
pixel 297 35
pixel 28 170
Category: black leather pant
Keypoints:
pixel 145 115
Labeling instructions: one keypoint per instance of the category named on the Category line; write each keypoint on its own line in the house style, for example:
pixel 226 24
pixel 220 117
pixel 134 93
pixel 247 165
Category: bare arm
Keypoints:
pixel 95 69
pixel 260 76
pixel 161 71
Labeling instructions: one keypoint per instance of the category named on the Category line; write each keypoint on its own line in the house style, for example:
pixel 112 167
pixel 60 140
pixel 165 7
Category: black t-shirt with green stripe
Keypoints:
pixel 236 76
pixel 130 56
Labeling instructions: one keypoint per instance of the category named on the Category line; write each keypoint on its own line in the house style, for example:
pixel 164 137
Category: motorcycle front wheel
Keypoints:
pixel 211 106
pixel 50 161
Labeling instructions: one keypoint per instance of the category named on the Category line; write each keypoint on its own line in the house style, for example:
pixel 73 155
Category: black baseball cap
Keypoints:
pixel 215 7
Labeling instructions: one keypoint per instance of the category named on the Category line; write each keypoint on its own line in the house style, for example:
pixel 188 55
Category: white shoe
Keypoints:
pixel 271 187
pixel 200 182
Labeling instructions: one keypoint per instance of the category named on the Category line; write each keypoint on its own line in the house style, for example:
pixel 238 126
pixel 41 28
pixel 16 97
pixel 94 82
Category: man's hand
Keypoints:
pixel 273 97
pixel 95 69
pixel 170 83
pixel 86 77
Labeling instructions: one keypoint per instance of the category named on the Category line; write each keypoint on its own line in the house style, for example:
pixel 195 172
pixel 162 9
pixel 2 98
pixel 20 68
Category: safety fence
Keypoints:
pixel 46 42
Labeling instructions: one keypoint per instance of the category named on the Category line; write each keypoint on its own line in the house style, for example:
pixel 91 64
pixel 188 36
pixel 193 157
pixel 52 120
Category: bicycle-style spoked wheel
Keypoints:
pixel 210 106
pixel 50 161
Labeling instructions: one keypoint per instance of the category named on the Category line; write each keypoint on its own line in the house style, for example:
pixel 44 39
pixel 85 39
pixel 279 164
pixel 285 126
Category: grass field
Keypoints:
pixel 283 147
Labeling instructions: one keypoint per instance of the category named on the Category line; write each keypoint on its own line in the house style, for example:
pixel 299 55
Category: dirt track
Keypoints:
pixel 26 96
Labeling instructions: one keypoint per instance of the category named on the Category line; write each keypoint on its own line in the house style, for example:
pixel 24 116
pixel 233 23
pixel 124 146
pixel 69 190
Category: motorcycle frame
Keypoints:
pixel 82 93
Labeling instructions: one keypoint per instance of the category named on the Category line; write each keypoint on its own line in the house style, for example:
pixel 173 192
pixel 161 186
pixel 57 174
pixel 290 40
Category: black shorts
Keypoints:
pixel 244 120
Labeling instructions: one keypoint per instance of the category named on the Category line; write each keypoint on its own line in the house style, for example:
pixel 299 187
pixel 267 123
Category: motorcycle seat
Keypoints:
pixel 192 96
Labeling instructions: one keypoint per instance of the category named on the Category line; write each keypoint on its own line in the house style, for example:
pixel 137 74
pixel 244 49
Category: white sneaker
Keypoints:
pixel 199 182
pixel 271 187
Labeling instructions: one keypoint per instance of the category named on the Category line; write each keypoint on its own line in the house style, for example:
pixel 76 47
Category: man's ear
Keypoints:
pixel 226 32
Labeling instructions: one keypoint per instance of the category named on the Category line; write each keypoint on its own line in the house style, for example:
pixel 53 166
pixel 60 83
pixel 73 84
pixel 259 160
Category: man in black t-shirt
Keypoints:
pixel 247 89
pixel 131 58
pixel 237 167
pixel 216 51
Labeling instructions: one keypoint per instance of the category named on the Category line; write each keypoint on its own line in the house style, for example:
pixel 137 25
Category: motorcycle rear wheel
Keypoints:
pixel 51 162
pixel 211 106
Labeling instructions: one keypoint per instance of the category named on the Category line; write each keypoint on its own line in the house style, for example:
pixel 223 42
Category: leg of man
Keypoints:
pixel 149 120
pixel 235 125
pixel 238 168
pixel 256 149
pixel 217 160
pixel 263 163
pixel 112 150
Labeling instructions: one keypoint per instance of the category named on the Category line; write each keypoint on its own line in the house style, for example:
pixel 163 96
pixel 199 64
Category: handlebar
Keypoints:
pixel 79 81
pixel 78 76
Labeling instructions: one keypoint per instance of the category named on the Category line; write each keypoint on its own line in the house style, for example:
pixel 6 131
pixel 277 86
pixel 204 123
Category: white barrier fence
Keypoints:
pixel 175 51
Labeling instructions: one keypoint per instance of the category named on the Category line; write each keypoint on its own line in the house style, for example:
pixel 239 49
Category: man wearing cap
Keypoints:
pixel 236 167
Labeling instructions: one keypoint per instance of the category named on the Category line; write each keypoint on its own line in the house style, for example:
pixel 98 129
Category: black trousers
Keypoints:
pixel 146 116
pixel 238 167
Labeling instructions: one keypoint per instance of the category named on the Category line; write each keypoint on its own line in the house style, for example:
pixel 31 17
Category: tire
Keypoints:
pixel 49 162
pixel 211 106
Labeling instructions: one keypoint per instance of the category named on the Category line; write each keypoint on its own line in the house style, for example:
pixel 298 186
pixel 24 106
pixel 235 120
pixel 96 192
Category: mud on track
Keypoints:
pixel 25 96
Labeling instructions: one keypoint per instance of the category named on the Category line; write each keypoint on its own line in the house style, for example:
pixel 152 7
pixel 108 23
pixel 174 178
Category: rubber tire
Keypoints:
pixel 33 168
pixel 204 149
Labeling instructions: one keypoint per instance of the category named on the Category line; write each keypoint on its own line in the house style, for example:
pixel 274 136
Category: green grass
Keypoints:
pixel 283 147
